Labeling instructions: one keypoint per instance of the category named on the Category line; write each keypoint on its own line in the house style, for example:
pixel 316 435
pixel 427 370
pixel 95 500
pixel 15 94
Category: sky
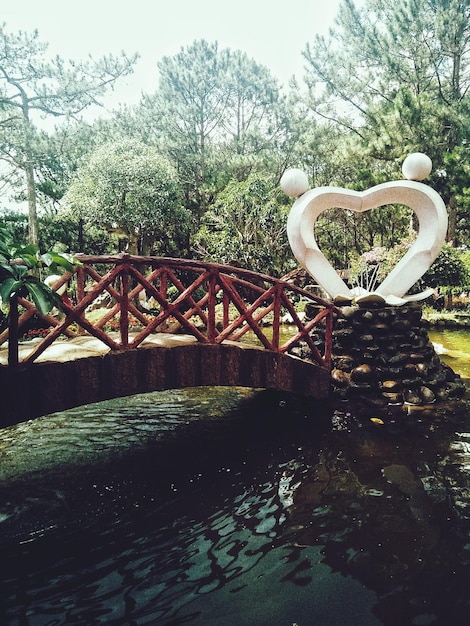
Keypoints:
pixel 272 33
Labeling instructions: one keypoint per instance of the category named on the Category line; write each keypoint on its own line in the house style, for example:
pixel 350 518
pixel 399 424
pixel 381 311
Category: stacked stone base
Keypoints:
pixel 383 356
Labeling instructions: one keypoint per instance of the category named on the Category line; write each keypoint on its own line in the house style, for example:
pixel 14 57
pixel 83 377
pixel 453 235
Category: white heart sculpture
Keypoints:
pixel 424 201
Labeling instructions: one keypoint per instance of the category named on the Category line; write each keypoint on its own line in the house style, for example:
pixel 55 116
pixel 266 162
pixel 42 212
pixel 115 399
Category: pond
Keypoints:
pixel 234 506
pixel 453 347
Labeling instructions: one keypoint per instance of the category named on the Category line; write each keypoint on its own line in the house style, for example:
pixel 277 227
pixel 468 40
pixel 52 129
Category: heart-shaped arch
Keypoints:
pixel 424 201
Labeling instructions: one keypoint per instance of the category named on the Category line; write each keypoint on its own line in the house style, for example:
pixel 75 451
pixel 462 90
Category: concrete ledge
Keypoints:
pixel 49 386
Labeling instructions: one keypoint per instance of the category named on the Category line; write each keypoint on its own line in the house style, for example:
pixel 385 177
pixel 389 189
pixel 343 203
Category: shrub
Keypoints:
pixel 448 269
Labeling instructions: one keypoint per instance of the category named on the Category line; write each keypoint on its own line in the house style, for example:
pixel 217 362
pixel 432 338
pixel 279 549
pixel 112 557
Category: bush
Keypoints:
pixel 448 269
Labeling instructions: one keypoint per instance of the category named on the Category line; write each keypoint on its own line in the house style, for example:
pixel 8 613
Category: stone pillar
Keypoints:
pixel 384 356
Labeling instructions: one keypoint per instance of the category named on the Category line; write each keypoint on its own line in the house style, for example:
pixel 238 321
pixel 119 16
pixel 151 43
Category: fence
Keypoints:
pixel 144 295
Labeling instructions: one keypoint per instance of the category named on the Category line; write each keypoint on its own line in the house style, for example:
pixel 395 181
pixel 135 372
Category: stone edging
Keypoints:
pixel 448 322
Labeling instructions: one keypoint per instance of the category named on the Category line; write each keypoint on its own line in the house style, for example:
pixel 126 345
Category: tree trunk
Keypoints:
pixel 33 230
pixel 81 235
pixel 452 211
pixel 133 244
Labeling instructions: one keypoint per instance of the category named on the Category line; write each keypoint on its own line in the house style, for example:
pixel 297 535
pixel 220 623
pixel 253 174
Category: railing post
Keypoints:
pixel 211 326
pixel 328 339
pixel 13 337
pixel 277 317
pixel 80 283
pixel 124 315
pixel 226 309
pixel 80 291
pixel 164 284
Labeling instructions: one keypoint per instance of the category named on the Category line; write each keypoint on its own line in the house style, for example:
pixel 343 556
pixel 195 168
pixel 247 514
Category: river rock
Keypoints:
pixel 362 373
pixel 427 395
pixel 340 379
pixel 343 362
pixel 383 355
pixel 391 385
pixel 412 397
pixel 393 398
pixel 398 359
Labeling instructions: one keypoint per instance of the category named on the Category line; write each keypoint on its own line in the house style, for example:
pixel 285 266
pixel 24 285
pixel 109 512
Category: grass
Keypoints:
pixel 453 317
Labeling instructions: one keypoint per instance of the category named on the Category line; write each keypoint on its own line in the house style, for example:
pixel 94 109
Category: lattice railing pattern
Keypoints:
pixel 146 295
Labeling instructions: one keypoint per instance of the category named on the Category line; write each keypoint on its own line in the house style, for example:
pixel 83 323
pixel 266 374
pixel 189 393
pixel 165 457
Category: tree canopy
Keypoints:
pixel 128 188
pixel 32 83
pixel 193 168
pixel 395 76
pixel 247 226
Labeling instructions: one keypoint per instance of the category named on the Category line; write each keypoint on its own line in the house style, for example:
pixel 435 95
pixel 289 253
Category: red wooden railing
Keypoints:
pixel 212 302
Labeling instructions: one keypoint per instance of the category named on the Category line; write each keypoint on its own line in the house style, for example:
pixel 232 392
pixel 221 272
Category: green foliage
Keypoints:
pixel 19 268
pixel 217 115
pixel 61 154
pixel 65 233
pixel 14 226
pixel 465 256
pixel 31 83
pixel 395 76
pixel 247 227
pixel 62 233
pixel 449 269
pixel 127 188
pixel 346 235
pixel 391 79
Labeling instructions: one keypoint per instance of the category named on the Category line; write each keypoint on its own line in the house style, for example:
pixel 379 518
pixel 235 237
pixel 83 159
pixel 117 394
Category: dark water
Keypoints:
pixel 234 507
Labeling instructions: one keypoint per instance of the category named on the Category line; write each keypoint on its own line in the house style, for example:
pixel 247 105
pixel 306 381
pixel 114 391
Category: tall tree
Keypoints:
pixel 394 73
pixel 128 188
pixel 33 84
pixel 192 101
pixel 247 225
pixel 217 115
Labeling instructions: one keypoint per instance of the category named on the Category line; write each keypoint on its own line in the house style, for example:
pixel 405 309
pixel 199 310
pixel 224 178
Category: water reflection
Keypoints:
pixel 453 347
pixel 386 507
pixel 223 506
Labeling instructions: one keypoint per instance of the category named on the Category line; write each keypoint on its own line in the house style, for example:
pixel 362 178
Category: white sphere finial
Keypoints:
pixel 294 182
pixel 416 166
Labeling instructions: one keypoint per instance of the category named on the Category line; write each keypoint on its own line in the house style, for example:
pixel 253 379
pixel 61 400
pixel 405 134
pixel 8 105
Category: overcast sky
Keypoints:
pixel 271 32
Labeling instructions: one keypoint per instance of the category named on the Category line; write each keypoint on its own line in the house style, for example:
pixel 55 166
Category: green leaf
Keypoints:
pixel 6 268
pixel 29 260
pixel 19 271
pixel 52 258
pixel 47 258
pixel 8 287
pixel 29 250
pixel 42 296
pixel 5 250
pixel 5 237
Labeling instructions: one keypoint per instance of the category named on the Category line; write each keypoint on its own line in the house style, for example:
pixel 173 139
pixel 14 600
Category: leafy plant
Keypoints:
pixel 20 269
pixel 448 269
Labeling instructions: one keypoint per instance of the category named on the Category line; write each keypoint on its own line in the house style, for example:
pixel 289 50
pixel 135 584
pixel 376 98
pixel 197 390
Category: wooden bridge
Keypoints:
pixel 152 323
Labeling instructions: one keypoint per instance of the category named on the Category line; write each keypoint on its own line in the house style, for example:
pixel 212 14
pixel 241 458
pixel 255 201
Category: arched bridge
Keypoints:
pixel 149 323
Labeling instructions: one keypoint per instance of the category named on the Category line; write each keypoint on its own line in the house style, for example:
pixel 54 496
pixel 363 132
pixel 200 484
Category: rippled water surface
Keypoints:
pixel 234 507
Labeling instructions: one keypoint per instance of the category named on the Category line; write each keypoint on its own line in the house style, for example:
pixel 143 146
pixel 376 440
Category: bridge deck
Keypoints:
pixel 87 346
pixel 83 371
